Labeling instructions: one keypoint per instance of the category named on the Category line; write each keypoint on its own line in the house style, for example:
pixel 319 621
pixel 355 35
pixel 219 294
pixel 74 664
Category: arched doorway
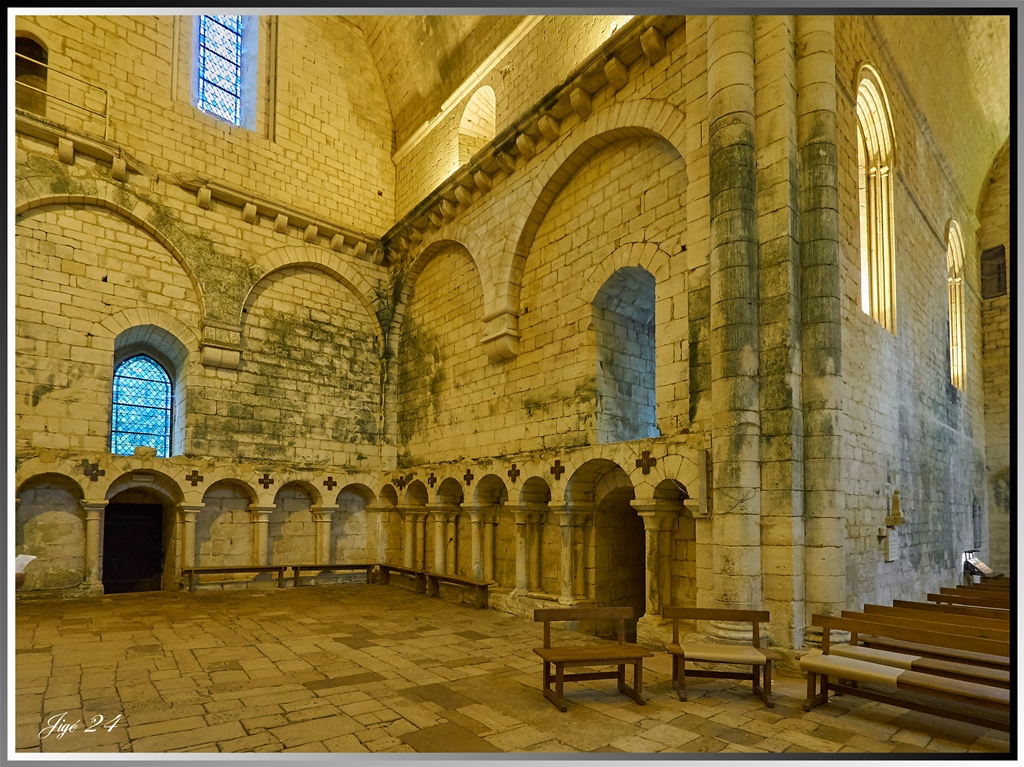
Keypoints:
pixel 136 542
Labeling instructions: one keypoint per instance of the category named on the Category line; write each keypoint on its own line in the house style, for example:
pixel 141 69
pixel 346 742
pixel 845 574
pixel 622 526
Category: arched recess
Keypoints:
pixel 142 543
pixel 624 326
pixel 99 193
pixel 49 524
pixel 439 356
pixel 224 528
pixel 635 119
pixel 476 128
pixel 291 532
pixel 352 538
pixel 497 531
pixel 327 262
pixel 455 236
pixel 304 333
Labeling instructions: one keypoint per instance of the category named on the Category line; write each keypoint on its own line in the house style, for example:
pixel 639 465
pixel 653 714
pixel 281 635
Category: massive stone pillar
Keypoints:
pixel 735 425
pixel 782 531
pixel 187 513
pixel 821 309
pixel 261 518
pixel 93 532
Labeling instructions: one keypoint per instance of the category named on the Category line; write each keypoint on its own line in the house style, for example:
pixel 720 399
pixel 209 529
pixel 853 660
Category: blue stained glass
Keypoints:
pixel 220 67
pixel 143 405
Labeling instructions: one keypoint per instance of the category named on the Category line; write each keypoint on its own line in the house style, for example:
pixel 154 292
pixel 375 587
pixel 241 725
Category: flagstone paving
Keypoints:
pixel 367 668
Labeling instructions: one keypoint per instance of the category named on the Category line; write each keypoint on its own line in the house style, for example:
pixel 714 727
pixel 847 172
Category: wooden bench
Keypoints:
pixel 419 577
pixel 479 588
pixel 604 653
pixel 980 612
pixel 333 568
pixel 752 656
pixel 977 599
pixel 965 701
pixel 193 573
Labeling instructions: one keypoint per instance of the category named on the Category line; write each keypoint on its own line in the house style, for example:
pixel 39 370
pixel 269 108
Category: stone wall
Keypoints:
pixel 996 342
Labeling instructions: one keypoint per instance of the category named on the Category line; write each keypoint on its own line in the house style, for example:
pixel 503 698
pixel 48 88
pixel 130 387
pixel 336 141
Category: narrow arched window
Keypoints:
pixel 225 76
pixel 143 407
pixel 876 155
pixel 477 125
pixel 957 340
pixel 30 60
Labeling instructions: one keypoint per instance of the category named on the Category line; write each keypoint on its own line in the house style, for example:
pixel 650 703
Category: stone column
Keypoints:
pixel 660 519
pixel 322 517
pixel 537 516
pixel 380 513
pixel 93 536
pixel 735 422
pixel 451 542
pixel 570 517
pixel 490 523
pixel 522 519
pixel 421 541
pixel 822 392
pixel 261 516
pixel 187 513
pixel 409 537
pixel 439 516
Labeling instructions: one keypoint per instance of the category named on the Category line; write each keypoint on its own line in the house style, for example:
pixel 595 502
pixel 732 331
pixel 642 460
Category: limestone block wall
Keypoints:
pixel 224 530
pixel 323 136
pixel 50 525
pixel 994 215
pixel 626 200
pixel 906 428
pixel 124 257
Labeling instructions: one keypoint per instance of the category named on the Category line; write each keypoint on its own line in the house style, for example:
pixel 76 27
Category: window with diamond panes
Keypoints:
pixel 143 404
pixel 220 67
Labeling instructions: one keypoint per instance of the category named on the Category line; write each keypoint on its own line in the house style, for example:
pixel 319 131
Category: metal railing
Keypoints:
pixel 67 89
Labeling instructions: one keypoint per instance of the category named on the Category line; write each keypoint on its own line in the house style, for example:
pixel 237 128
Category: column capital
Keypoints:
pixel 571 513
pixel 261 513
pixel 412 513
pixel 658 514
pixel 323 513
pixel 93 505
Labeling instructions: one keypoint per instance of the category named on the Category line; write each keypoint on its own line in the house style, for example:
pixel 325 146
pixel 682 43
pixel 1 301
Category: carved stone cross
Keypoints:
pixel 94 472
pixel 266 480
pixel 431 480
pixel 195 477
pixel 330 484
pixel 514 473
pixel 558 469
pixel 645 462
pixel 468 477
pixel 400 481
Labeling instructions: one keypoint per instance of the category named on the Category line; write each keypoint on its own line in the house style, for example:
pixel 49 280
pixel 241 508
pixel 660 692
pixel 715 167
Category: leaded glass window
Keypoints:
pixel 143 404
pixel 220 67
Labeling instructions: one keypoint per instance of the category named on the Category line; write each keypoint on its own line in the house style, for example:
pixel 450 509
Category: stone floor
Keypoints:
pixel 368 668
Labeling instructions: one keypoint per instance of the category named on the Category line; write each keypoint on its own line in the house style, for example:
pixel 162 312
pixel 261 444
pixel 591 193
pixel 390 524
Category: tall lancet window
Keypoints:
pixel 876 154
pixel 957 338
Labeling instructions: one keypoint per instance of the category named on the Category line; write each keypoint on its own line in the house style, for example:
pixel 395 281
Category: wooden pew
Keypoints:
pixel 604 653
pixel 419 579
pixel 969 600
pixel 333 568
pixel 750 657
pixel 980 612
pixel 478 588
pixel 965 701
pixel 193 573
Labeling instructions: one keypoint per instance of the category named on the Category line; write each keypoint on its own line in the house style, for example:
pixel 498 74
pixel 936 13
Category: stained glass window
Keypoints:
pixel 220 67
pixel 143 402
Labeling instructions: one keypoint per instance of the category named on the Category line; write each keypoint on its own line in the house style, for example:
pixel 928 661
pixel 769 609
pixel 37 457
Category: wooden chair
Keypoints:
pixel 752 656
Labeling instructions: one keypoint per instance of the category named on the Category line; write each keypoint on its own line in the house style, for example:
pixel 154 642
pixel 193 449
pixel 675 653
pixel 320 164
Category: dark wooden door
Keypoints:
pixel 132 547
